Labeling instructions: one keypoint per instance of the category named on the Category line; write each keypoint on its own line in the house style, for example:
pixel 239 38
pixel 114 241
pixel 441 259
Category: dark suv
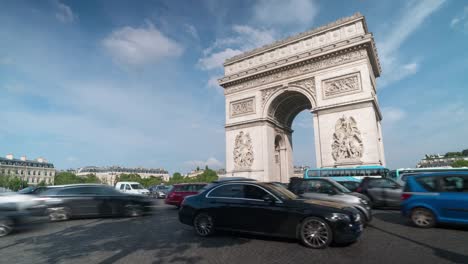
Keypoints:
pixel 266 208
pixel 382 192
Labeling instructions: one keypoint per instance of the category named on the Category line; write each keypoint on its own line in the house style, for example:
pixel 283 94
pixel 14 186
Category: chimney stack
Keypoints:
pixel 9 156
pixel 23 158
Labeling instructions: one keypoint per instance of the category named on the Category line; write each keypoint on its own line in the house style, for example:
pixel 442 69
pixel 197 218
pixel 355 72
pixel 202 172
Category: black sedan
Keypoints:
pixel 265 208
pixel 92 200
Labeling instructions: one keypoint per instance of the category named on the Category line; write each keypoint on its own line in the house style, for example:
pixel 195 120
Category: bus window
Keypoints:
pixel 313 173
pixel 325 173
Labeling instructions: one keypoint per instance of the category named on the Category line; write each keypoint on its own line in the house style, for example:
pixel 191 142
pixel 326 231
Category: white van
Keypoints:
pixel 131 188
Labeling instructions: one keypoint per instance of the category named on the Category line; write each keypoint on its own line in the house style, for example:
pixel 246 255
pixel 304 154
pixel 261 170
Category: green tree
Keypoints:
pixel 42 184
pixel 465 152
pixel 460 163
pixel 66 178
pixel 15 183
pixel 453 154
pixel 90 178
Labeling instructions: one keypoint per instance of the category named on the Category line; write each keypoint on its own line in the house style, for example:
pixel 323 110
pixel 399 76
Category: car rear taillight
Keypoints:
pixel 405 196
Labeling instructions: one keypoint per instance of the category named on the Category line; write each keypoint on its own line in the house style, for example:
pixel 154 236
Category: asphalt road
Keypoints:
pixel 160 238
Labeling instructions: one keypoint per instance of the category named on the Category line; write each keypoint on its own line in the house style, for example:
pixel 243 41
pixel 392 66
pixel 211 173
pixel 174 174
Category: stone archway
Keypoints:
pixel 331 71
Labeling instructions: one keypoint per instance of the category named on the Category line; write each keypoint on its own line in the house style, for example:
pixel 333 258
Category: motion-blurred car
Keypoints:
pixel 131 188
pixel 16 211
pixel 326 189
pixel 382 192
pixel 92 200
pixel 159 191
pixel 180 191
pixel 266 208
pixel 436 197
pixel 33 190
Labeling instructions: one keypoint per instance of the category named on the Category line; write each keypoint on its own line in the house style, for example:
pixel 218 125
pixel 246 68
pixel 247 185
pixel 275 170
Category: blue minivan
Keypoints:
pixel 440 197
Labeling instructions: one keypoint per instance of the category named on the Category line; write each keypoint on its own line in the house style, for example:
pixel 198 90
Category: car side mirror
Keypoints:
pixel 268 199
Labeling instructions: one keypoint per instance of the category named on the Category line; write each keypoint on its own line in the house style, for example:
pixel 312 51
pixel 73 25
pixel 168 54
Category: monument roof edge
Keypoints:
pixel 280 42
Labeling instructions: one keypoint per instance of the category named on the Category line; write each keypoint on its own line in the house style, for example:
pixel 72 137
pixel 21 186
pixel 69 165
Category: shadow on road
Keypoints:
pixel 160 236
pixel 396 218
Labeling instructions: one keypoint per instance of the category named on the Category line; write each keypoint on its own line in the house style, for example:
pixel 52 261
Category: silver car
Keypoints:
pixel 325 189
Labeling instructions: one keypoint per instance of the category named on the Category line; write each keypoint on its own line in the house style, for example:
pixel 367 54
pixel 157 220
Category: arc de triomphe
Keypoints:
pixel 329 70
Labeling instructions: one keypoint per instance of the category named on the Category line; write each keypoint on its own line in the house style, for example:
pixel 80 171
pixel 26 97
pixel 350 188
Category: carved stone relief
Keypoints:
pixel 243 107
pixel 341 86
pixel 266 94
pixel 298 70
pixel 243 151
pixel 308 84
pixel 347 141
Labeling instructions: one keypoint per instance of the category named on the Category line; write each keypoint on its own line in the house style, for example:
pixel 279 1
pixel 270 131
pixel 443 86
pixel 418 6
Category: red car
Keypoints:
pixel 180 191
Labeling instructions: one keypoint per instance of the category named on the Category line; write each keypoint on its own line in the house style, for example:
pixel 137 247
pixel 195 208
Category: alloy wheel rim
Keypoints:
pixel 204 225
pixel 422 218
pixel 315 233
pixel 4 230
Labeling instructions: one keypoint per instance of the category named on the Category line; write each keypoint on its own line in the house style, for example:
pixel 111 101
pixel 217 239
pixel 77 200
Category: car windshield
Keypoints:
pixel 340 187
pixel 27 190
pixel 282 192
pixel 136 186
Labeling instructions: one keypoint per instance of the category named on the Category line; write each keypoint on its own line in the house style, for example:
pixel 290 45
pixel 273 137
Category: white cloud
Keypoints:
pixel 461 20
pixel 243 38
pixel 280 12
pixel 64 13
pixel 392 114
pixel 216 60
pixel 192 31
pixel 213 83
pixel 139 46
pixel 210 162
pixel 393 67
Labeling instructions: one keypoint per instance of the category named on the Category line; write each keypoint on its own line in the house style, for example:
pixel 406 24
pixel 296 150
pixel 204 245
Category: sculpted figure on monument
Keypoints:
pixel 243 153
pixel 347 140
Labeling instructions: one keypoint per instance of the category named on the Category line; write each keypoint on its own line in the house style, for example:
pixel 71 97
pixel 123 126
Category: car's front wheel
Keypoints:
pixel 203 224
pixel 6 226
pixel 133 210
pixel 59 214
pixel 315 233
pixel 422 217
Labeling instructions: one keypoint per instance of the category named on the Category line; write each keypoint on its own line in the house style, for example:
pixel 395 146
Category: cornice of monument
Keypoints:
pixel 294 38
pixel 321 44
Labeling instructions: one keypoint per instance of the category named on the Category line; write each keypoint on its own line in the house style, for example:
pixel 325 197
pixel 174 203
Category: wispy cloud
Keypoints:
pixel 210 162
pixel 460 21
pixel 64 13
pixel 410 20
pixel 140 46
pixel 243 38
pixel 279 12
pixel 393 114
pixel 192 31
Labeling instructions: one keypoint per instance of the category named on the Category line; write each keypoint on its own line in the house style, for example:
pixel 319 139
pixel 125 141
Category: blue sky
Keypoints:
pixel 133 83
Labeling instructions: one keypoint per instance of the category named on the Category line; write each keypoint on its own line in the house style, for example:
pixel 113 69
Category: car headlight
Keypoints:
pixel 340 217
pixel 160 193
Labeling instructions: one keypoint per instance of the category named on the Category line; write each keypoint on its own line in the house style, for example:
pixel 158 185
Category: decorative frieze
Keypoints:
pixel 297 70
pixel 342 85
pixel 266 94
pixel 318 37
pixel 308 84
pixel 347 141
pixel 243 107
pixel 243 151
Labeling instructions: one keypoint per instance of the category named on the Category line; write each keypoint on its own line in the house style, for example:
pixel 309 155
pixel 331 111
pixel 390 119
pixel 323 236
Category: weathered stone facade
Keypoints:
pixel 31 171
pixel 331 71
